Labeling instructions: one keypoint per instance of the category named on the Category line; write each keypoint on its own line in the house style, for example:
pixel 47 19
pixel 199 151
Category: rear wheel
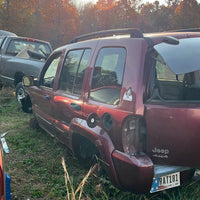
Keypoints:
pixel 87 153
pixel 33 123
pixel 1 85
pixel 22 97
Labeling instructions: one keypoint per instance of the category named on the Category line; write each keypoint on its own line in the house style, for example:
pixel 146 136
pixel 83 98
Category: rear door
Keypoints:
pixel 173 113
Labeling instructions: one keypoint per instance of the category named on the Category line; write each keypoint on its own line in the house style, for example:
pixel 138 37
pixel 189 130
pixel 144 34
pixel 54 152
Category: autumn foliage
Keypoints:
pixel 58 21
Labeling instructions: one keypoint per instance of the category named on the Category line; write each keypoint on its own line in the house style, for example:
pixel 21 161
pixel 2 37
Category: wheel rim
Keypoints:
pixel 20 94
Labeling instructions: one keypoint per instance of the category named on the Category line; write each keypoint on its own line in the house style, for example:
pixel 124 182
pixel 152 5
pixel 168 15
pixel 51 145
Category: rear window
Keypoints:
pixel 172 86
pixel 183 57
pixel 18 47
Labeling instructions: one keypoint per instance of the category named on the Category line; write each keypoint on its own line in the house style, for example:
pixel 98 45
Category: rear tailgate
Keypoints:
pixel 173 134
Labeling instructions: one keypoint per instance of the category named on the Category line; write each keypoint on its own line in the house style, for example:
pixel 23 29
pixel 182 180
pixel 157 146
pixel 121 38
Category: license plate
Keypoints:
pixel 165 182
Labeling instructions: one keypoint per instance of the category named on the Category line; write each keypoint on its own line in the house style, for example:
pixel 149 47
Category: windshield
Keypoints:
pixel 181 58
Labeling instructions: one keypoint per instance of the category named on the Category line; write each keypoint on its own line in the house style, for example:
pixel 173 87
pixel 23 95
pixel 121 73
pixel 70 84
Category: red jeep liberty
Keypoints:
pixel 134 98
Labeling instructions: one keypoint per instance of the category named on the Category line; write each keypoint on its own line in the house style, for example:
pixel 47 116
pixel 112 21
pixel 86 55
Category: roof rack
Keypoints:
pixel 187 30
pixel 134 33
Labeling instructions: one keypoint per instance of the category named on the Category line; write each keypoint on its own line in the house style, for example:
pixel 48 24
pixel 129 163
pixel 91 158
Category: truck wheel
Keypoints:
pixel 1 85
pixel 33 123
pixel 19 92
pixel 23 98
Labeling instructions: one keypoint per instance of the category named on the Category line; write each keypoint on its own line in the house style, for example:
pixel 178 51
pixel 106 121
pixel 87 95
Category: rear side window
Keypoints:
pixel 73 71
pixel 108 75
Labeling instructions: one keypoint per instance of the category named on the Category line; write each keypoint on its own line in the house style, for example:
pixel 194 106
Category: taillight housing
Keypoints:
pixel 133 135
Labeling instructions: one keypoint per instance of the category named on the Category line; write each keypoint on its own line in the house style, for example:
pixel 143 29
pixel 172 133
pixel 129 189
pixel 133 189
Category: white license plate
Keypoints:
pixel 165 182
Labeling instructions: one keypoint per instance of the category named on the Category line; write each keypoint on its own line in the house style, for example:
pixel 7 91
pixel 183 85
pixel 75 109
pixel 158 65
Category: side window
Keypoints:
pixel 108 75
pixel 73 70
pixel 13 48
pixel 49 75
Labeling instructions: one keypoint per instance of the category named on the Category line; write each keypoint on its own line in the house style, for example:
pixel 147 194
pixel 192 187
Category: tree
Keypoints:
pixel 186 15
pixel 58 21
pixel 104 14
pixel 155 17
pixel 126 14
pixel 17 16
pixel 88 18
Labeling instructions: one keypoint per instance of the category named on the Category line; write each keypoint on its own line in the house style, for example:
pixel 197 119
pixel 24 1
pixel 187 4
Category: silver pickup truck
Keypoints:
pixel 20 56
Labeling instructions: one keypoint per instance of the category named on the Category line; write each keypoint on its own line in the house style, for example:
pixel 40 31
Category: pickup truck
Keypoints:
pixel 20 56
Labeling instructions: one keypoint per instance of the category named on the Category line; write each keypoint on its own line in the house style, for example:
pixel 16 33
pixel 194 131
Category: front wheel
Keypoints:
pixel 19 92
pixel 23 98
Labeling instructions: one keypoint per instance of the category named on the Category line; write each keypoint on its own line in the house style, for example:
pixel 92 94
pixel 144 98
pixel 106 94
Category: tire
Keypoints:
pixel 84 150
pixel 19 92
pixel 33 123
pixel 22 97
pixel 1 85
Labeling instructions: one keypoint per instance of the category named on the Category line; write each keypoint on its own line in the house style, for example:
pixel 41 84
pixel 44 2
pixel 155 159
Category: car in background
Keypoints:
pixel 131 98
pixel 21 56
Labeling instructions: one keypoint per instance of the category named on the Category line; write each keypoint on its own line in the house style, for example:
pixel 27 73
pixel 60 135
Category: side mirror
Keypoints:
pixel 28 81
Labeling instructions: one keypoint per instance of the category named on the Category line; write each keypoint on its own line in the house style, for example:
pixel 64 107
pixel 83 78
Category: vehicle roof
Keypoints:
pixel 13 35
pixel 155 38
pixel 6 33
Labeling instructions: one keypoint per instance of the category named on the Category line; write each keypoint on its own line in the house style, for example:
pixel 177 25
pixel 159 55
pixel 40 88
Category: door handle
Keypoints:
pixel 47 97
pixel 75 106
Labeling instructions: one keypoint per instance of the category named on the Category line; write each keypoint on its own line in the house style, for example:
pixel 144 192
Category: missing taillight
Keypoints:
pixel 133 131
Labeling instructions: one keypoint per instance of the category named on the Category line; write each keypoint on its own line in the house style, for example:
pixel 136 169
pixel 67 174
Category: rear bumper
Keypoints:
pixel 135 173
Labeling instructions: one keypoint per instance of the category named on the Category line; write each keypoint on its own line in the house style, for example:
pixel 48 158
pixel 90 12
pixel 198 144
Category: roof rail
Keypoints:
pixel 134 33
pixel 187 30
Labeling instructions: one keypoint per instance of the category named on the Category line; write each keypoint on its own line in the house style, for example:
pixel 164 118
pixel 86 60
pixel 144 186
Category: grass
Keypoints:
pixel 35 165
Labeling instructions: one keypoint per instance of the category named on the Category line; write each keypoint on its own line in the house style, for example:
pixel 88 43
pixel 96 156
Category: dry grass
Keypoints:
pixel 69 187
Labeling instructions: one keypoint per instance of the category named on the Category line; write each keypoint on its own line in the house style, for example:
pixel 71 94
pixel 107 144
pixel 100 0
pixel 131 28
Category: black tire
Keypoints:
pixel 1 85
pixel 33 123
pixel 22 97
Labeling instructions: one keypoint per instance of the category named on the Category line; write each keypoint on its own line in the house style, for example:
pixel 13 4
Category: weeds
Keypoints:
pixel 34 165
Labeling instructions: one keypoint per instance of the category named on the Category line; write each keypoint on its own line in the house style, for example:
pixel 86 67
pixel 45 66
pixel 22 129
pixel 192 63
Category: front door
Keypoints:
pixel 43 94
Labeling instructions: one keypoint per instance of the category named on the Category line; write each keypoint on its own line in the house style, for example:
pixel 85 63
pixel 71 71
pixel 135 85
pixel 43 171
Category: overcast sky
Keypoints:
pixel 150 1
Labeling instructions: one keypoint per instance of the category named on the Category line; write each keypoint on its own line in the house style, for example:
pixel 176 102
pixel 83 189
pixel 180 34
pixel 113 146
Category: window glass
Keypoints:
pixel 1 39
pixel 176 86
pixel 49 75
pixel 18 46
pixel 81 72
pixel 108 75
pixel 73 71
